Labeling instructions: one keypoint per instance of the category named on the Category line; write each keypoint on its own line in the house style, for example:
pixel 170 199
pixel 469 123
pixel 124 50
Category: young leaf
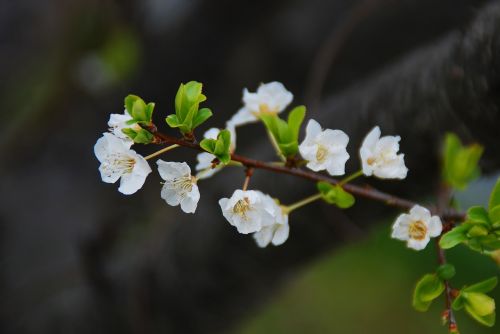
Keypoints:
pixel 480 307
pixel 455 236
pixel 495 196
pixel 202 115
pixel 219 147
pixel 427 289
pixel 483 286
pixel 139 111
pixel 460 163
pixel 295 119
pixel 494 214
pixel 335 195
pixel 478 214
pixel 446 271
pixel 129 102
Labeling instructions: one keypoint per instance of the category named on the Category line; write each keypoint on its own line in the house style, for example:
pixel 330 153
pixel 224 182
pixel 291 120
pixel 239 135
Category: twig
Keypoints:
pixel 443 198
pixel 361 191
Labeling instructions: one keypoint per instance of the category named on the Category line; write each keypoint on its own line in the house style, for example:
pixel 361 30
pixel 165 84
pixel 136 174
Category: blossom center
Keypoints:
pixel 417 230
pixel 371 161
pixel 184 184
pixel 321 153
pixel 118 163
pixel 242 207
pixel 264 109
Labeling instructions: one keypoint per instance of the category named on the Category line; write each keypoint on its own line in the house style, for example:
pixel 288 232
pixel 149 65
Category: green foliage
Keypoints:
pixel 460 163
pixel 478 305
pixel 139 110
pixel 446 271
pixel 141 114
pixel 187 115
pixel 219 147
pixel 286 134
pixel 427 289
pixel 481 229
pixel 140 136
pixel 335 195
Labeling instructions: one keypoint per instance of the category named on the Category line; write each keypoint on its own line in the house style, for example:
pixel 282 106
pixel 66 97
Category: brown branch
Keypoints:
pixel 361 191
pixel 443 198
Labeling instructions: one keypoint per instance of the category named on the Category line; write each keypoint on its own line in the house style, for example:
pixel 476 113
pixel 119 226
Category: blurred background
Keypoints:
pixel 76 256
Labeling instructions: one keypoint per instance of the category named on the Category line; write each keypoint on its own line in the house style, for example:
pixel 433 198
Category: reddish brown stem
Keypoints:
pixel 443 198
pixel 361 191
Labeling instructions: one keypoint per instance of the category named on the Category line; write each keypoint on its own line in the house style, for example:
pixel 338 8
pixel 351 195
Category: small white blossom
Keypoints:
pixel 379 156
pixel 417 227
pixel 180 187
pixel 324 149
pixel 118 122
pixel 270 98
pixel 204 165
pixel 119 161
pixel 278 232
pixel 248 210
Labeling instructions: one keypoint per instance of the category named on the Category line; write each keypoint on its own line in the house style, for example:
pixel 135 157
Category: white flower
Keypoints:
pixel 248 210
pixel 417 227
pixel 118 122
pixel 325 149
pixel 277 233
pixel 204 165
pixel 271 98
pixel 379 156
pixel 119 161
pixel 180 187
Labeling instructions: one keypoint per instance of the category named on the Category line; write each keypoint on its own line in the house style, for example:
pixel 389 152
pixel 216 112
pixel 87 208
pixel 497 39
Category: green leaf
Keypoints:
pixel 129 132
pixel 143 137
pixel 483 286
pixel 446 271
pixel 460 163
pixel 455 236
pixel 478 214
pixel 495 196
pixel 335 195
pixel 295 119
pixel 480 307
pixel 173 121
pixel 139 110
pixel 458 303
pixel 149 111
pixel 129 102
pixel 477 231
pixel 187 103
pixel 427 289
pixel 202 115
pixel 494 214
pixel 285 134
pixel 219 147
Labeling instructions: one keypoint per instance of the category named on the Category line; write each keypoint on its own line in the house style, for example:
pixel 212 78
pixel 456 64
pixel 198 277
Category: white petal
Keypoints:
pixel 141 166
pixel 418 244
pixel 109 175
pixel 204 161
pixel 365 154
pixel 400 229
pixel 371 139
pixel 313 129
pixel 190 202
pixel 131 182
pixel 170 195
pixel 242 117
pixel 211 133
pixel 336 163
pixel 316 166
pixel 170 170
pixel 335 138
pixel 435 226
pixel 420 213
pixel 281 234
pixel 264 236
pixel 223 203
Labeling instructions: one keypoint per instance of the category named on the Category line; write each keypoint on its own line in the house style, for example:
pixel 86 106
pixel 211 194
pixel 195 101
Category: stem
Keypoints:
pixel 163 150
pixel 351 177
pixel 248 175
pixel 275 145
pixel 444 193
pixel 301 203
pixel 361 191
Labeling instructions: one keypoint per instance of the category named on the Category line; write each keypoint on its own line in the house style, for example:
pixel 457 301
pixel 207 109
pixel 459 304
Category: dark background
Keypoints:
pixel 76 256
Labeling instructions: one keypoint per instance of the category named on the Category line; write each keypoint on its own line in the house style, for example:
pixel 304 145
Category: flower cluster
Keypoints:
pixel 250 211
